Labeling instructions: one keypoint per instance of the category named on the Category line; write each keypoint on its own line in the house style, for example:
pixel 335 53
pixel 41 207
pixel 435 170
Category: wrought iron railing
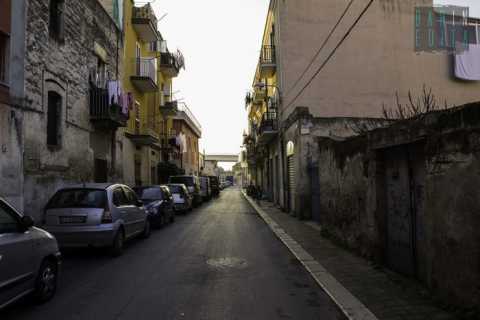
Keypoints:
pixel 169 60
pixel 269 122
pixel 145 12
pixel 267 55
pixel 103 109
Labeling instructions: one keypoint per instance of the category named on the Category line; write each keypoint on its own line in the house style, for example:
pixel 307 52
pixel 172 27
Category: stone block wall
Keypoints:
pixel 63 66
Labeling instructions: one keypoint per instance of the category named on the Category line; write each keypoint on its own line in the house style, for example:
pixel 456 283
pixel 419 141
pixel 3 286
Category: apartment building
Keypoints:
pixel 189 131
pixel 290 104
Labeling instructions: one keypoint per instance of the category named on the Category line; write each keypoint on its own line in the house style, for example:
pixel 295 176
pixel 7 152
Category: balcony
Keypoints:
pixel 144 74
pixel 144 23
pixel 144 135
pixel 169 64
pixel 268 61
pixel 169 143
pixel 103 114
pixel 260 95
pixel 268 128
pixel 170 108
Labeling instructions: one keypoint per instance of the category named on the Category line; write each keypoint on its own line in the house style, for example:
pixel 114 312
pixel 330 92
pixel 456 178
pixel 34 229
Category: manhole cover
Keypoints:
pixel 227 263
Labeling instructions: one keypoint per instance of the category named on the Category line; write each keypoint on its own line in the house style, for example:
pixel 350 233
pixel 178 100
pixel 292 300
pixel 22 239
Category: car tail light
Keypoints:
pixel 107 217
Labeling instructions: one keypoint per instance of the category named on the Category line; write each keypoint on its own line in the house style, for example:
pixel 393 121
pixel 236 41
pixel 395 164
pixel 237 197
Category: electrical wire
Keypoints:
pixel 321 47
pixel 330 55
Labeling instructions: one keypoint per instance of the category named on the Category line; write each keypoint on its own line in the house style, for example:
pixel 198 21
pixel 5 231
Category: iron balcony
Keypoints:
pixel 268 61
pixel 268 128
pixel 170 108
pixel 104 114
pixel 144 74
pixel 169 64
pixel 144 23
pixel 144 135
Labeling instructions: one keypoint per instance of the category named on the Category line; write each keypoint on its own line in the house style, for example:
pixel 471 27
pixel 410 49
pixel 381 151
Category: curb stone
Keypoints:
pixel 351 307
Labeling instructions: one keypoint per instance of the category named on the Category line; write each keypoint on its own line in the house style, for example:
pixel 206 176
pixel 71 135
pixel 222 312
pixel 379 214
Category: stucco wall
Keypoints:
pixel 375 61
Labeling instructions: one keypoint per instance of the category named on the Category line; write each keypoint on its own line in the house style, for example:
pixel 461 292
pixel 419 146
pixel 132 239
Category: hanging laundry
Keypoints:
pixel 113 91
pixel 467 63
pixel 125 104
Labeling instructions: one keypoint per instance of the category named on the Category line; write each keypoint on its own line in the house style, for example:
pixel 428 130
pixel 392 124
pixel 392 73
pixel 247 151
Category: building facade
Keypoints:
pixel 61 53
pixel 189 131
pixel 289 105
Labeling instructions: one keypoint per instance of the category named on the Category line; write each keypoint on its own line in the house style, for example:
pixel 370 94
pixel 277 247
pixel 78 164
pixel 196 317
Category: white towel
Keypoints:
pixel 467 63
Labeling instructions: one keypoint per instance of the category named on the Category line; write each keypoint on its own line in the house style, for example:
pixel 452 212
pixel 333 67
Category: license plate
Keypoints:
pixel 67 220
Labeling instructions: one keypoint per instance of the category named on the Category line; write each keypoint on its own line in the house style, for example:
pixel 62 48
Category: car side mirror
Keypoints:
pixel 139 203
pixel 27 222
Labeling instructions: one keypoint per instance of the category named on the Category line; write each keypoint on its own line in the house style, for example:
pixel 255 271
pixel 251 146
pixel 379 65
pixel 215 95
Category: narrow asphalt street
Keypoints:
pixel 219 262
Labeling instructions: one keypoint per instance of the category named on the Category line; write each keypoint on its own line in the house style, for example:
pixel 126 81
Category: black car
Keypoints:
pixel 158 202
pixel 214 185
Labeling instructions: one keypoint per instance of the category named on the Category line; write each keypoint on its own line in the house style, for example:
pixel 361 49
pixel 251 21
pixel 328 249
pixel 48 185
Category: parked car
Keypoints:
pixel 214 185
pixel 99 215
pixel 182 200
pixel 205 190
pixel 193 185
pixel 29 258
pixel 158 203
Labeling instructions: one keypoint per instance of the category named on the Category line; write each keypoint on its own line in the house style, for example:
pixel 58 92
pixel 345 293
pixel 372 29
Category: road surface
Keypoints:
pixel 220 261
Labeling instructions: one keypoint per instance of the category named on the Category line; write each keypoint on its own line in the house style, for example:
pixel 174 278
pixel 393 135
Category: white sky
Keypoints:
pixel 474 5
pixel 220 40
pixel 221 43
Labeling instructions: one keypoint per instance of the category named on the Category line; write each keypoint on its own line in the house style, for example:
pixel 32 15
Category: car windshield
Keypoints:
pixel 175 188
pixel 188 181
pixel 149 193
pixel 78 198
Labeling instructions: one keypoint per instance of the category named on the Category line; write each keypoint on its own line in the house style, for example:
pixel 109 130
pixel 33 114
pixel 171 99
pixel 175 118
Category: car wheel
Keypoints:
pixel 46 282
pixel 117 248
pixel 147 230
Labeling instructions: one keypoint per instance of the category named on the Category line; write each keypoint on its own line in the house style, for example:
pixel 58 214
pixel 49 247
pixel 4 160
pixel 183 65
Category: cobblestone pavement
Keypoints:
pixel 388 295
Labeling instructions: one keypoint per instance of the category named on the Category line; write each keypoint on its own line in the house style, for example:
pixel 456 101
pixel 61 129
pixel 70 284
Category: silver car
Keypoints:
pixel 97 215
pixel 29 258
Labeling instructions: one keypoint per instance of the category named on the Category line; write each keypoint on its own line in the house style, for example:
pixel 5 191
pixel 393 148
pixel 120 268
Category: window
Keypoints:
pixel 150 193
pixel 56 25
pixel 78 198
pixel 53 119
pixel 119 198
pixel 131 197
pixel 4 40
pixel 8 224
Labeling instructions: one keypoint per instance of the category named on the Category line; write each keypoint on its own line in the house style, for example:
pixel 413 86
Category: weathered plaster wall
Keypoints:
pixel 353 195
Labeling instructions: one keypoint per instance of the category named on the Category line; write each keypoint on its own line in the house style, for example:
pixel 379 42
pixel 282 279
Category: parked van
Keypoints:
pixel 205 189
pixel 193 185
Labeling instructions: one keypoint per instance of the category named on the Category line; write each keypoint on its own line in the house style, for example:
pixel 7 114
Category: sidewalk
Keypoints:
pixel 383 294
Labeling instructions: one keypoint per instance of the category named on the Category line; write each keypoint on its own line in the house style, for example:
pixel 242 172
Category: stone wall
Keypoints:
pixel 64 67
pixel 361 194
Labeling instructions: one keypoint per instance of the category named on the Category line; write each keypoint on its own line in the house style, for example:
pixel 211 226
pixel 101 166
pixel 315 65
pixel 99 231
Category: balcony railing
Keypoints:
pixel 170 64
pixel 268 126
pixel 169 108
pixel 145 23
pixel 188 115
pixel 169 142
pixel 103 113
pixel 260 95
pixel 268 61
pixel 144 74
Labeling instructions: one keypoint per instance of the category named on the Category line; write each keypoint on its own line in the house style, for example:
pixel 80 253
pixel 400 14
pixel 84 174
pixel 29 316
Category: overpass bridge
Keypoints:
pixel 222 157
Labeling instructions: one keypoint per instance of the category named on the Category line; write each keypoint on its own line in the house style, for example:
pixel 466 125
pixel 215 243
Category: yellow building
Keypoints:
pixel 262 106
pixel 149 70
